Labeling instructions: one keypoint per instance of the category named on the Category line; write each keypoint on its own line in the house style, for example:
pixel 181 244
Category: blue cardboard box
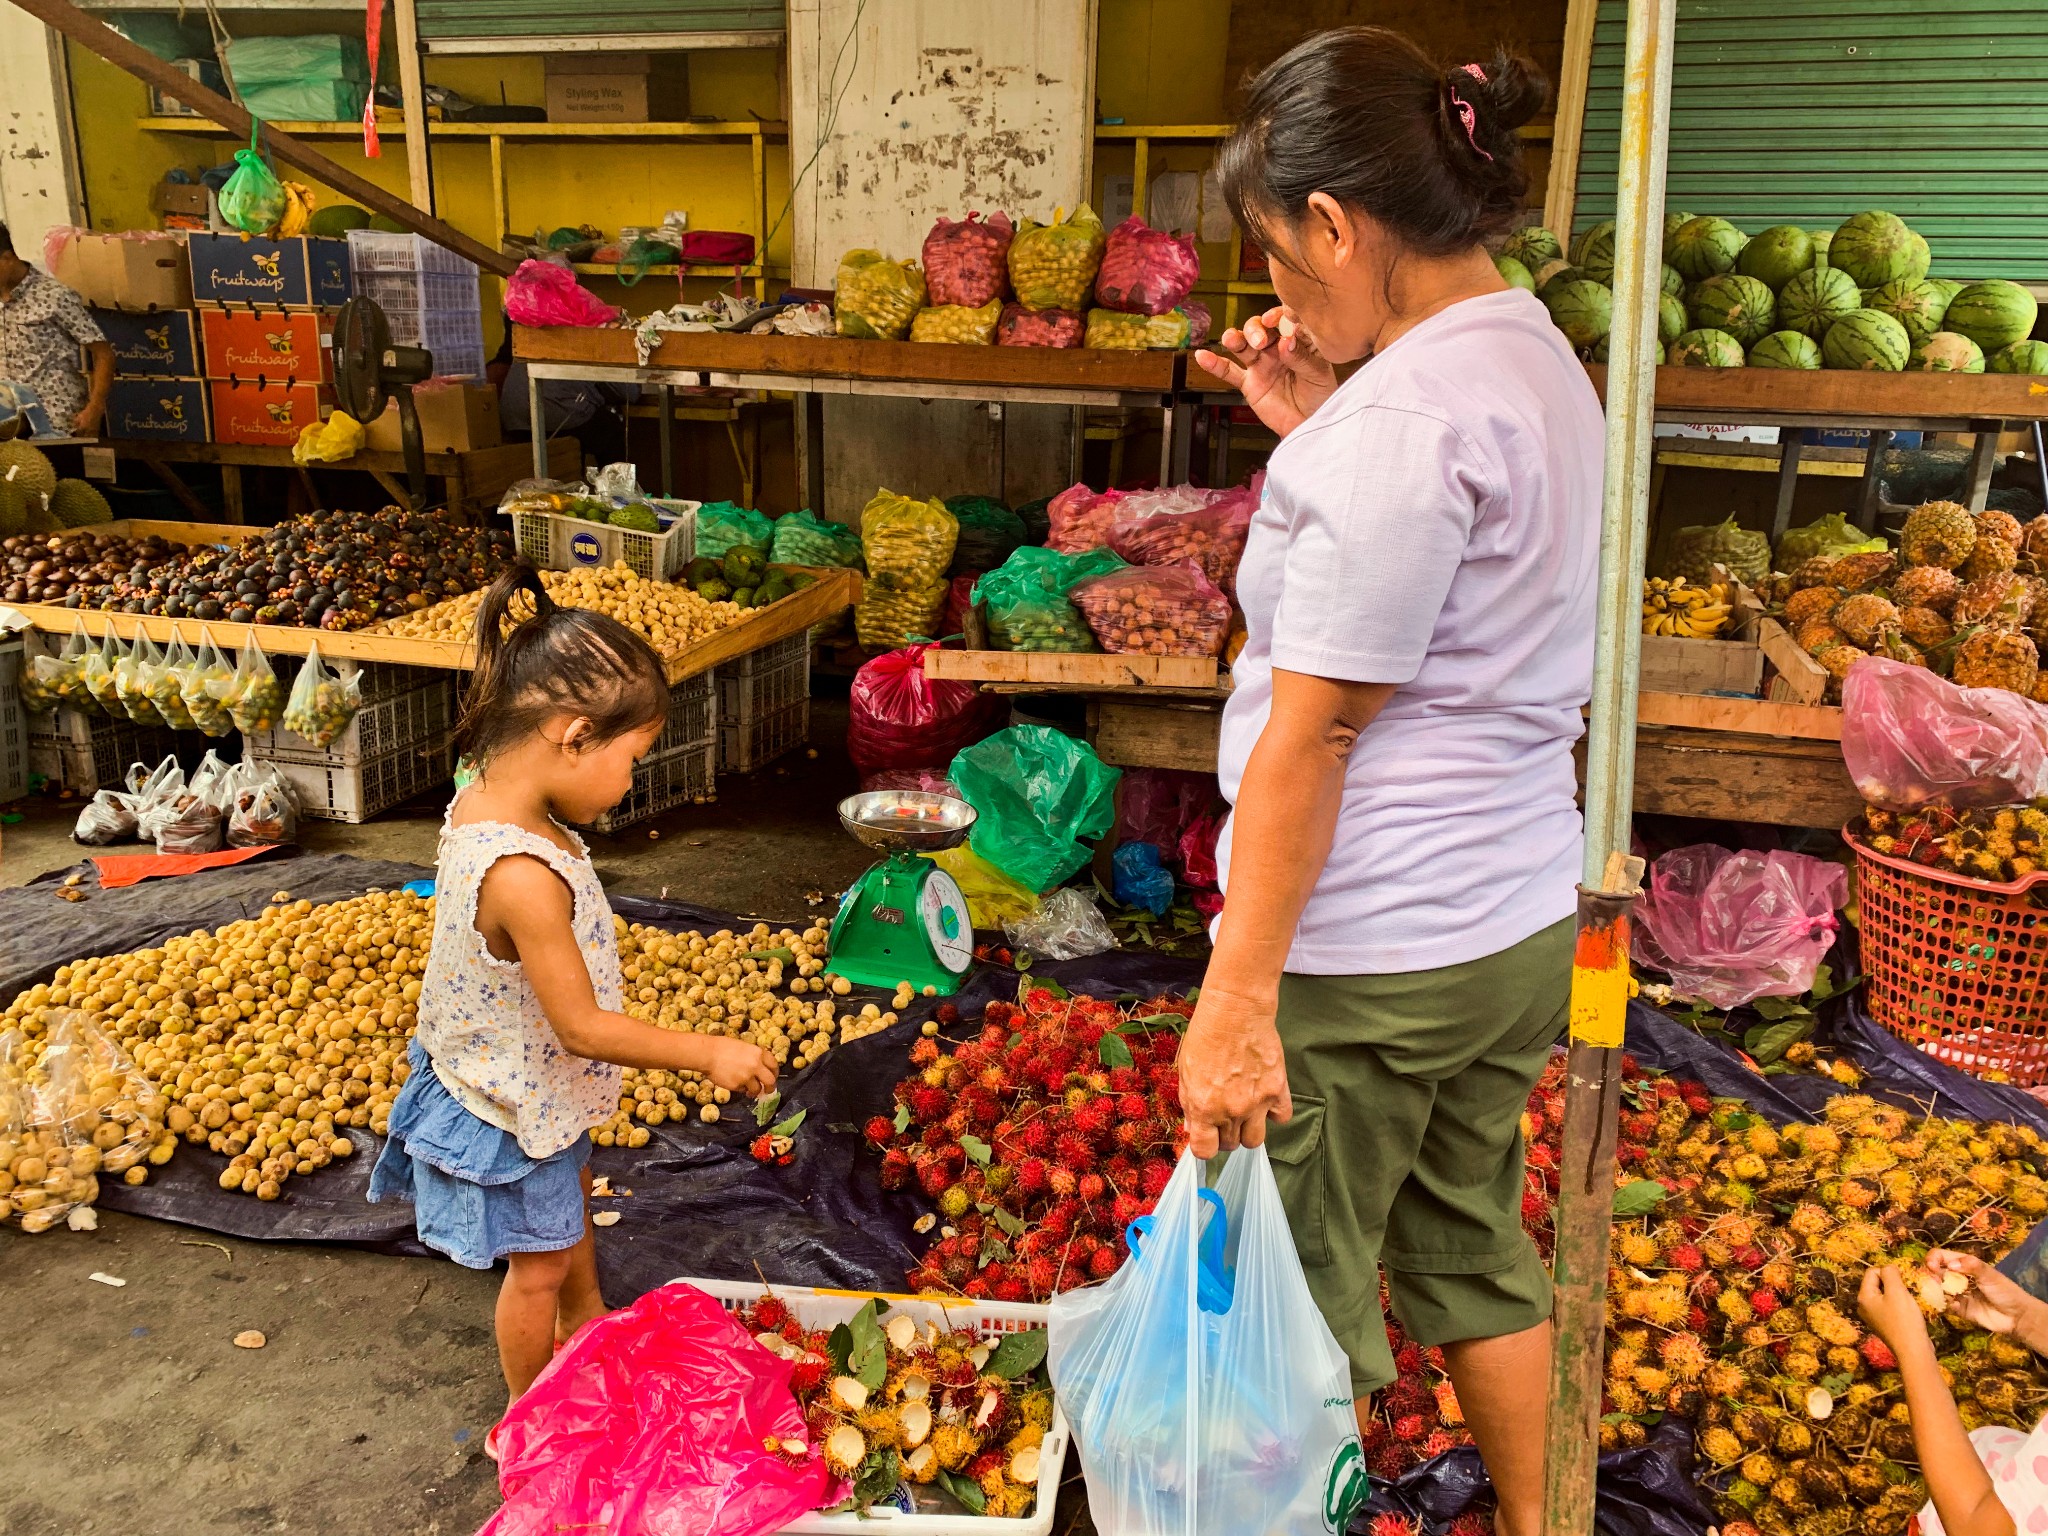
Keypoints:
pixel 164 345
pixel 1853 437
pixel 159 410
pixel 299 273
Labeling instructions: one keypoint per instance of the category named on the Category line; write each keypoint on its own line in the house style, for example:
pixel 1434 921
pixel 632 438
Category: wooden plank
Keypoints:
pixel 1809 722
pixel 175 533
pixel 1133 733
pixel 1742 778
pixel 419 164
pixel 1561 194
pixel 1091 670
pixel 1799 678
pixel 833 592
pixel 1743 394
pixel 1678 664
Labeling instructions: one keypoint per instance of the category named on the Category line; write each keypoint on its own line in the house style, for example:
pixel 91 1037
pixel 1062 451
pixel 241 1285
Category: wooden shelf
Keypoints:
pixel 1092 671
pixel 670 269
pixel 1758 458
pixel 1802 397
pixel 465 130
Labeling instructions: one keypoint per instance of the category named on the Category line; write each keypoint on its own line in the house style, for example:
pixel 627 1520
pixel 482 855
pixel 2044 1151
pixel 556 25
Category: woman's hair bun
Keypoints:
pixel 1514 91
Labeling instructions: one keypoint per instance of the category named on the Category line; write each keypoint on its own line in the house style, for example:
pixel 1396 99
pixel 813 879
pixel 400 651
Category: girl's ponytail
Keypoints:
pixel 492 642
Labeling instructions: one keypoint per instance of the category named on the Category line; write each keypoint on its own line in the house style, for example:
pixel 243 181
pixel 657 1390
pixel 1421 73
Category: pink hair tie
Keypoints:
pixel 1466 115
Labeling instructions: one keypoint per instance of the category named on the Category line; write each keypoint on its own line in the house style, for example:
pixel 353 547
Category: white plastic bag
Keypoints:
pixel 154 792
pixel 1206 1393
pixel 261 808
pixel 1067 926
pixel 191 822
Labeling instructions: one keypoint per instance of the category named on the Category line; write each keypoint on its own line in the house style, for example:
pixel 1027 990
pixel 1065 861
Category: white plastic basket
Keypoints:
pixel 555 541
pixel 378 730
pixel 377 250
pixel 689 716
pixel 764 704
pixel 13 724
pixel 354 793
pixel 760 739
pixel 81 753
pixel 661 782
pixel 816 1308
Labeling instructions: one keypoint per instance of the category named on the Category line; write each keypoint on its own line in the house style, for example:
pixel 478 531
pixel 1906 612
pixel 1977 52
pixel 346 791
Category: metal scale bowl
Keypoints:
pixel 904 920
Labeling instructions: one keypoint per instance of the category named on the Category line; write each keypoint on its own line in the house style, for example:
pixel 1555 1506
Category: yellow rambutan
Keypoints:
pixel 1652 1380
pixel 1625 1398
pixel 1992 1178
pixel 1734 1306
pixel 1842 1360
pixel 1760 1469
pixel 1684 1356
pixel 1622 1363
pixel 1867 1157
pixel 1801 1366
pixel 1777 1274
pixel 1665 1306
pixel 1722 1379
pixel 1720 1446
pixel 1750 1168
pixel 1823 1319
pixel 1762 1140
pixel 1809 1220
pixel 1637 1247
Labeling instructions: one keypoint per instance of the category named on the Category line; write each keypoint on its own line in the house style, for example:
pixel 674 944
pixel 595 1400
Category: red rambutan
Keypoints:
pixel 1877 1354
pixel 880 1131
pixel 1091 1187
pixel 1074 1151
pixel 808 1374
pixel 1062 1182
pixel 1411 1427
pixel 1686 1257
pixel 924 1053
pixel 1104 1262
pixel 1763 1300
pixel 1033 1177
pixel 1041 1275
pixel 1128 1209
pixel 1010 1288
pixel 1408 1359
pixel 769 1314
pixel 896 1168
pixel 1154 1177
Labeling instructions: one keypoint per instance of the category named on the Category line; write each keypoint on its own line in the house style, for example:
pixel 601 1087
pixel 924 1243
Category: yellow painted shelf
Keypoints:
pixel 459 130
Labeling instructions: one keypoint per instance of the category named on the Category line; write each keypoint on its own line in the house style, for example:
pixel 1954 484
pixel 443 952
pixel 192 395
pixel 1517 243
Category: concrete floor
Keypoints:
pixel 131 1408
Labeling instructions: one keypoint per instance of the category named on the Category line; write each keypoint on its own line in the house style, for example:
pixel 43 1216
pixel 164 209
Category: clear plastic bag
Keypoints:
pixel 908 545
pixel 1156 610
pixel 108 817
pixel 1140 877
pixel 1040 798
pixel 804 538
pixel 111 1114
pixel 1114 331
pixel 194 819
pixel 96 671
pixel 152 791
pixel 1021 327
pixel 57 682
pixel 1145 271
pixel 1067 926
pixel 261 809
pixel 965 260
pixel 255 698
pixel 542 293
pixel 874 297
pixel 1081 519
pixel 1205 1391
pixel 205 686
pixel 1028 609
pixel 322 703
pixel 1912 738
pixel 898 718
pixel 957 324
pixel 1730 927
pixel 994 900
pixel 722 524
pixel 48 1178
pixel 133 673
pixel 165 684
pixel 1212 535
pixel 1052 266
pixel 252 199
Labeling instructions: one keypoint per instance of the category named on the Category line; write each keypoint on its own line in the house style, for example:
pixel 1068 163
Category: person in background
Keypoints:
pixel 43 325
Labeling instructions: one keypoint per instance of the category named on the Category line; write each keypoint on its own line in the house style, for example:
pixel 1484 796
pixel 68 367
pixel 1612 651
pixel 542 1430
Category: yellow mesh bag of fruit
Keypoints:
pixel 1052 266
pixel 875 297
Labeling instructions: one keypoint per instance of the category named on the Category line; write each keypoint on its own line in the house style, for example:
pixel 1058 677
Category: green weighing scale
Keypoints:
pixel 904 919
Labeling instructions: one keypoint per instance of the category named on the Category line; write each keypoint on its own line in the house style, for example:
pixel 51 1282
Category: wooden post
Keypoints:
pixel 1141 168
pixel 412 90
pixel 760 163
pixel 1563 188
pixel 501 197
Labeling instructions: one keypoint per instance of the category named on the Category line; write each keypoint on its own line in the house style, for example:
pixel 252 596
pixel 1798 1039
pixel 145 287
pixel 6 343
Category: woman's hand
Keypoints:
pixel 1888 1304
pixel 1233 1073
pixel 738 1067
pixel 1274 363
pixel 1993 1302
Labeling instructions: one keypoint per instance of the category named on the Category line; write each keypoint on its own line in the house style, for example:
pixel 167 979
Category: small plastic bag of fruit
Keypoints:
pixel 165 683
pixel 151 791
pixel 108 817
pixel 254 698
pixel 1114 331
pixel 96 671
pixel 56 682
pixel 111 1115
pixel 965 260
pixel 958 324
pixel 1028 607
pixel 1156 610
pixel 205 685
pixel 906 537
pixel 322 702
pixel 804 538
pixel 1145 271
pixel 38 1179
pixel 874 297
pixel 1021 327
pixel 1079 518
pixel 193 820
pixel 261 808
pixel 1052 266
pixel 1211 533
pixel 132 674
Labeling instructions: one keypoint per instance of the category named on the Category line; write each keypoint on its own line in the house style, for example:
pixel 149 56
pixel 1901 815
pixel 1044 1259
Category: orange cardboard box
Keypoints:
pixel 267 344
pixel 267 413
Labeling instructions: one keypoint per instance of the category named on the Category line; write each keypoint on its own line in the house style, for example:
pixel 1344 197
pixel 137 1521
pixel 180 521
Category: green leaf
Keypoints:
pixel 1739 1122
pixel 785 955
pixel 877 1478
pixel 1176 1022
pixel 1015 1041
pixel 1639 1198
pixel 902 1118
pixel 1014 1225
pixel 1194 994
pixel 867 1354
pixel 839 1348
pixel 1018 1355
pixel 766 1105
pixel 976 1149
pixel 1767 1042
pixel 1114 1051
pixel 966 1490
pixel 994 1251
pixel 1837 1383
pixel 1776 1008
pixel 788 1127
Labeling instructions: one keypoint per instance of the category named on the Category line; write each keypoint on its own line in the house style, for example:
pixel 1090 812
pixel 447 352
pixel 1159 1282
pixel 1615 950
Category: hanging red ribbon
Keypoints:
pixel 373 37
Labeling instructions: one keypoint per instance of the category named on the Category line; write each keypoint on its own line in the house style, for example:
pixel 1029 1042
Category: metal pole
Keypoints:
pixel 1586 1197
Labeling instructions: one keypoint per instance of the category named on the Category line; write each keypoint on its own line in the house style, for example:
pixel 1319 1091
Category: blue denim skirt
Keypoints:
pixel 475 1195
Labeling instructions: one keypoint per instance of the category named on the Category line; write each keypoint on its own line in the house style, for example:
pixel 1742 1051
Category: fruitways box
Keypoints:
pixel 299 273
pixel 285 344
pixel 158 410
pixel 266 413
pixel 164 345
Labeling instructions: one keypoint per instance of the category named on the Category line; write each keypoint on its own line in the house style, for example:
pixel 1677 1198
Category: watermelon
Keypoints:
pixel 1672 281
pixel 1533 246
pixel 1949 289
pixel 1594 251
pixel 2019 357
pixel 1869 339
pixel 1873 248
pixel 1555 273
pixel 1815 299
pixel 1821 240
pixel 1671 321
pixel 1946 352
pixel 1582 309
pixel 1599 353
pixel 1514 273
pixel 1785 349
pixel 1673 222
pixel 1918 306
pixel 1922 259
pixel 338 220
pixel 1741 306
pixel 1706 349
pixel 384 224
pixel 1703 247
pixel 1993 314
pixel 1776 256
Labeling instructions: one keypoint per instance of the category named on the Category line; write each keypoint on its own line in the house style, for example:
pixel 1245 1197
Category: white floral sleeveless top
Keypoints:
pixel 491 1043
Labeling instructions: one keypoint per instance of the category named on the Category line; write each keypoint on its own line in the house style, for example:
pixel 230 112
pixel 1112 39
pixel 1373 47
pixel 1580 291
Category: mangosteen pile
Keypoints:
pixel 70 567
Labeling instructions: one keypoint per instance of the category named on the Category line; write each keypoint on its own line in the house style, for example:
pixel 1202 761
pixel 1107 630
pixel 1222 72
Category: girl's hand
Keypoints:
pixel 1233 1073
pixel 1888 1304
pixel 1993 1302
pixel 1274 364
pixel 738 1067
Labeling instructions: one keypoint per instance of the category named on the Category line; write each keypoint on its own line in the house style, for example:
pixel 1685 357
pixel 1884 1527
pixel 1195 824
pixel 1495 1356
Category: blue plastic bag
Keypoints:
pixel 1141 878
pixel 1206 1393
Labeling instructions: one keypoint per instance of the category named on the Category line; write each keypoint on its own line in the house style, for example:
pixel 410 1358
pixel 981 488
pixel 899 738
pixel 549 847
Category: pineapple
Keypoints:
pixel 1811 603
pixel 1840 657
pixel 1816 635
pixel 1997 658
pixel 1927 586
pixel 1987 558
pixel 2002 526
pixel 2000 598
pixel 2039 692
pixel 1859 618
pixel 1817 572
pixel 2034 543
pixel 1925 627
pixel 1939 533
pixel 1860 573
pixel 1894 646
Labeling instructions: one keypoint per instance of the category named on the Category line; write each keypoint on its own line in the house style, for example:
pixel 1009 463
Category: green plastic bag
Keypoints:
pixel 1027 601
pixel 1832 536
pixel 289 79
pixel 1039 798
pixel 720 525
pixel 253 199
pixel 804 538
pixel 989 531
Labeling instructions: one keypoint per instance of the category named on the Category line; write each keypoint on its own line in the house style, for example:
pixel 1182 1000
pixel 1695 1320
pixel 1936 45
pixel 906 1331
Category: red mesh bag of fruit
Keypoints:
pixel 1145 271
pixel 1212 536
pixel 1080 519
pixel 966 260
pixel 1155 610
pixel 1021 327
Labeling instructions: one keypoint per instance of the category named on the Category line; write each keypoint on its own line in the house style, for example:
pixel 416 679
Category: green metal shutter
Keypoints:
pixel 1806 111
pixel 552 18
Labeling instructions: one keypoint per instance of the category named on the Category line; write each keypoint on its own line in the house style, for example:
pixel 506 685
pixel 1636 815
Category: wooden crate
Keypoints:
pixel 1672 664
pixel 1072 669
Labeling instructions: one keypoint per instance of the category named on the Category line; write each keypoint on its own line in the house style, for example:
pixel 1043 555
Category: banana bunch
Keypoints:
pixel 299 201
pixel 1677 607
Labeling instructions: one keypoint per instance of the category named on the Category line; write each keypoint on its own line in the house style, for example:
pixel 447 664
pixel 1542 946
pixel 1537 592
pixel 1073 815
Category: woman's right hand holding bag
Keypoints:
pixel 1273 362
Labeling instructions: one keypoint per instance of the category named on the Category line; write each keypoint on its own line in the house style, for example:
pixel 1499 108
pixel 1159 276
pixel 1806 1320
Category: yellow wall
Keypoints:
pixel 1161 61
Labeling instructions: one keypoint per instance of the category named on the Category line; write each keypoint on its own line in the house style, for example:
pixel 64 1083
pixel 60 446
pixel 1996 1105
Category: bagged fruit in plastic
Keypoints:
pixel 261 807
pixel 908 545
pixel 1910 737
pixel 1729 927
pixel 50 682
pixel 899 718
pixel 1114 331
pixel 96 671
pixel 252 199
pixel 1696 551
pixel 804 538
pixel 1829 537
pixel 1079 518
pixel 1021 327
pixel 957 324
pixel 965 260
pixel 1067 926
pixel 1199 321
pixel 1145 271
pixel 205 686
pixel 875 297
pixel 108 817
pixel 255 698
pixel 132 675
pixel 1156 610
pixel 1052 266
pixel 721 525
pixel 193 819
pixel 989 531
pixel 1212 535
pixel 165 684
pixel 322 704
pixel 1028 608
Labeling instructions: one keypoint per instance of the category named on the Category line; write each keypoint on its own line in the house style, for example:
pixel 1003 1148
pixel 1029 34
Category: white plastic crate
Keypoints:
pixel 13 724
pixel 555 541
pixel 376 250
pixel 763 738
pixel 457 341
pixel 81 753
pixel 378 730
pixel 826 1309
pixel 764 704
pixel 452 293
pixel 661 782
pixel 328 792
pixel 689 716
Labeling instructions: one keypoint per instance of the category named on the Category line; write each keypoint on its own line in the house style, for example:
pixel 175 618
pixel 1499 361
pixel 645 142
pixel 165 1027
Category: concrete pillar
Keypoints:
pixel 39 181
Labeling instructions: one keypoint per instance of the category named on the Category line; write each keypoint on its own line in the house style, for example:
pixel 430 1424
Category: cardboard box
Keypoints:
pixel 1732 663
pixel 126 272
pixel 164 345
pixel 294 344
pixel 205 72
pixel 265 413
pixel 617 88
pixel 454 418
pixel 158 410
pixel 181 199
pixel 1714 432
pixel 299 273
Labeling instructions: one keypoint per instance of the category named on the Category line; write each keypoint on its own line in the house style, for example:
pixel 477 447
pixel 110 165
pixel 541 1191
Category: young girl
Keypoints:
pixel 1981 1482
pixel 520 1035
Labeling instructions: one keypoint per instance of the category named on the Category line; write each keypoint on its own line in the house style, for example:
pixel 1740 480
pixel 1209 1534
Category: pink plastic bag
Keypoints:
pixel 966 261
pixel 1021 327
pixel 1080 519
pixel 929 780
pixel 1911 738
pixel 1158 805
pixel 652 1422
pixel 1730 927
pixel 1212 536
pixel 1155 610
pixel 959 600
pixel 541 293
pixel 1145 271
pixel 899 718
pixel 1197 849
pixel 1199 321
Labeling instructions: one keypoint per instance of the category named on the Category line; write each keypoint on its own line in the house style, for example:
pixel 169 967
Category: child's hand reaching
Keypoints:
pixel 1993 1302
pixel 737 1066
pixel 1888 1304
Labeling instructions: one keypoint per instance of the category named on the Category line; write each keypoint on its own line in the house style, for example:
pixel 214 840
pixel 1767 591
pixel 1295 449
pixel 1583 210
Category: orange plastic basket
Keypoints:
pixel 1957 968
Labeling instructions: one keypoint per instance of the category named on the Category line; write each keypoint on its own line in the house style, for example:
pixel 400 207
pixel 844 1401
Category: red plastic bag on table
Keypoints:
pixel 1197 852
pixel 1158 805
pixel 1021 327
pixel 1729 927
pixel 899 718
pixel 965 260
pixel 1212 535
pixel 1155 610
pixel 1145 271
pixel 652 1422
pixel 959 600
pixel 541 293
pixel 1912 738
pixel 1080 519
